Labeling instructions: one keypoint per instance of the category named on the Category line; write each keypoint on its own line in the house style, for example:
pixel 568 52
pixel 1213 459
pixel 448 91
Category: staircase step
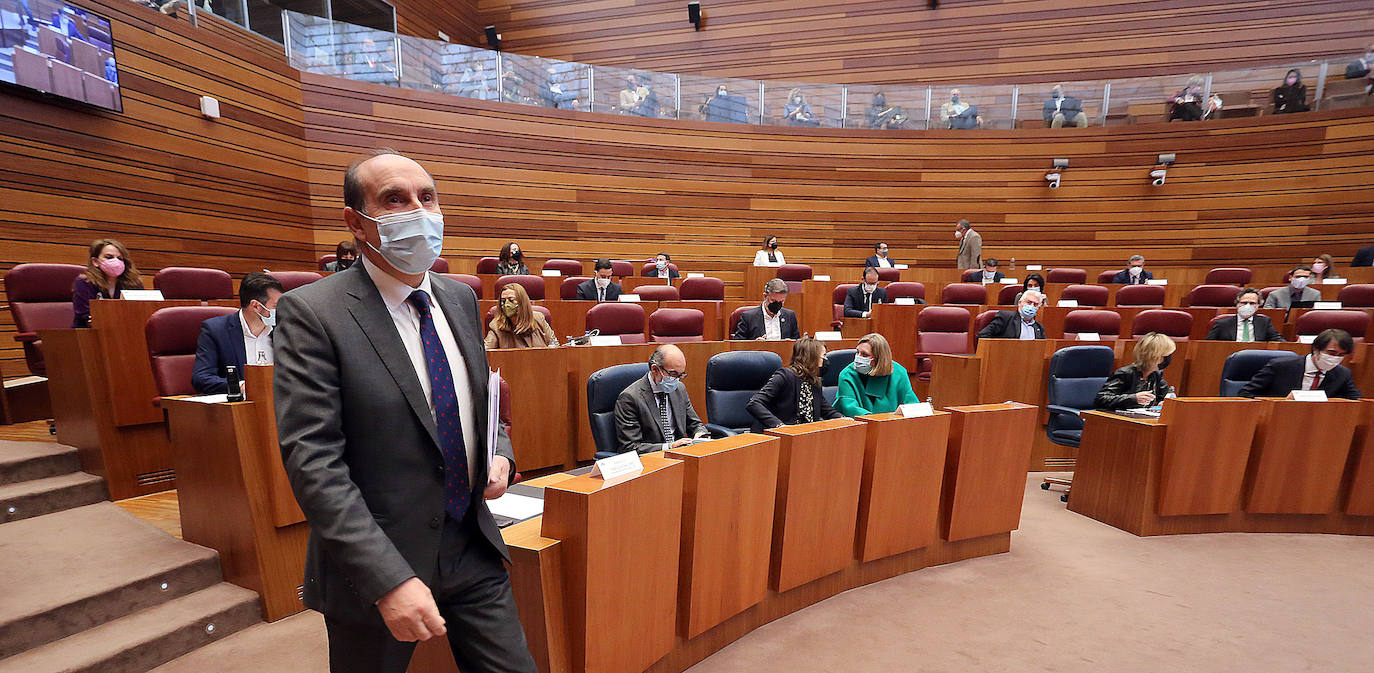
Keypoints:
pixel 296 644
pixel 26 461
pixel 69 571
pixel 28 499
pixel 146 639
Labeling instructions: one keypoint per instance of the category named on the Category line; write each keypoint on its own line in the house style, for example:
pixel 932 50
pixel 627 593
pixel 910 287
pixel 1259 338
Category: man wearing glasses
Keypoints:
pixel 654 413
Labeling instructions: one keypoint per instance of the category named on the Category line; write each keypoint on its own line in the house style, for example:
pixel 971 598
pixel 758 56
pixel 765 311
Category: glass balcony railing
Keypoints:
pixel 318 45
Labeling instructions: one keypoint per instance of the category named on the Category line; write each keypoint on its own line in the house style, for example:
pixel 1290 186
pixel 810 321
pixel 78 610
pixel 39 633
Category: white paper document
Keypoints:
pixel 141 295
pixel 514 506
pixel 208 399
pixel 493 413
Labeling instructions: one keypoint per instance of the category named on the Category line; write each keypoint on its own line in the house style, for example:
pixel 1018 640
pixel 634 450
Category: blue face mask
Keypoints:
pixel 862 364
pixel 271 318
pixel 411 241
pixel 1029 310
pixel 668 383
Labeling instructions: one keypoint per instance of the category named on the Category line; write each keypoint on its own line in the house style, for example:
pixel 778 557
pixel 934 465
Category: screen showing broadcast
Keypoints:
pixel 53 47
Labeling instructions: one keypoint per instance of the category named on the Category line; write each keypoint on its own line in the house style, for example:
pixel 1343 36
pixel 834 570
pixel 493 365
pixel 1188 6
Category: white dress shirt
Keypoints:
pixel 407 320
pixel 1309 371
pixel 772 326
pixel 257 350
pixel 884 262
pixel 1240 329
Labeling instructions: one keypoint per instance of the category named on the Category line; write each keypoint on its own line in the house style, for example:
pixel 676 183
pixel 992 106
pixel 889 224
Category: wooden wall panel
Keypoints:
pixel 460 19
pixel 903 41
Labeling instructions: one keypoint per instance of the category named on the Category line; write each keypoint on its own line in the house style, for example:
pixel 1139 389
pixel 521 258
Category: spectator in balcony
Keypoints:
pixel 637 99
pixel 880 115
pixel 345 253
pixel 1187 103
pixel 512 261
pixel 1060 109
pixel 722 107
pixel 552 94
pixel 797 112
pixel 958 114
pixel 512 89
pixel 473 82
pixel 1363 67
pixel 108 271
pixel 1291 96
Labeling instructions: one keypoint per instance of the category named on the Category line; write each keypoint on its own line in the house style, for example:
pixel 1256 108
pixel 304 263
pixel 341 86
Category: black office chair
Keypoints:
pixel 603 387
pixel 1076 374
pixel 731 379
pixel 1241 366
pixel 830 380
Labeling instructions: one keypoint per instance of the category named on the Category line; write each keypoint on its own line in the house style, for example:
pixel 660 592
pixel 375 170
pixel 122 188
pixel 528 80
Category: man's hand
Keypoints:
pixel 1145 397
pixel 497 478
pixel 685 441
pixel 410 612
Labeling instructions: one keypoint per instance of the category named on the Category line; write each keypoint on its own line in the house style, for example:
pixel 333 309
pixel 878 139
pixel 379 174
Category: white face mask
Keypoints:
pixel 862 364
pixel 1300 282
pixel 1318 267
pixel 1135 270
pixel 410 241
pixel 270 319
pixel 1246 311
pixel 603 283
pixel 958 234
pixel 661 265
pixel 869 288
pixel 1326 362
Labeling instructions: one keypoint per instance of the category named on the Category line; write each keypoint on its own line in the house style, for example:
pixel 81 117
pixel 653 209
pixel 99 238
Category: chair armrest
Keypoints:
pixel 837 325
pixel 1055 409
pixel 26 337
pixel 718 431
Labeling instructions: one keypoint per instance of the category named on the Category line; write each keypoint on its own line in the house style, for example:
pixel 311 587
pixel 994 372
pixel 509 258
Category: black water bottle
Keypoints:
pixel 231 374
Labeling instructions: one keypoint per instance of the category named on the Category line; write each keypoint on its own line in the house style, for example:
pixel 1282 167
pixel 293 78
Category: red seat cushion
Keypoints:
pixel 671 325
pixel 172 334
pixel 184 282
pixel 534 285
pixel 1175 324
pixel 625 320
pixel 707 289
pixel 657 293
pixel 1141 295
pixel 1086 295
pixel 964 293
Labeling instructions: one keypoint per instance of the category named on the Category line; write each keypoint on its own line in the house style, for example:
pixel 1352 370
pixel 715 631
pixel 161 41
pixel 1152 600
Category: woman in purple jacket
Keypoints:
pixel 108 271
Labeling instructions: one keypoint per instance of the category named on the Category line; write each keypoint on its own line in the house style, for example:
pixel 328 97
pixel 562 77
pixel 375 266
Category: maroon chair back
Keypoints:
pixel 658 293
pixel 1361 295
pixel 649 266
pixel 40 297
pixel 491 315
pixel 440 265
pixel 940 329
pixel 567 290
pixel 184 282
pixel 1107 324
pixel 1107 276
pixel 972 276
pixel 675 325
pixel 470 280
pixel 622 269
pixel 702 289
pixel 534 285
pixel 488 264
pixel 982 321
pixel 1141 295
pixel 899 290
pixel 1086 295
pixel 1228 275
pixel 1007 295
pixel 1176 325
pixel 625 320
pixel 291 280
pixel 970 294
pixel 1314 322
pixel 793 275
pixel 1264 291
pixel 325 259
pixel 1220 296
pixel 172 333
pixel 734 319
pixel 1067 276
pixel 888 274
pixel 567 267
pixel 838 293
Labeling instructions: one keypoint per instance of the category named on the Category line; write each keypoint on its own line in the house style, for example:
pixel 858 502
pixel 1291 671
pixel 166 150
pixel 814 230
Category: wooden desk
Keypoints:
pixel 899 498
pixel 1299 456
pixel 1360 501
pixel 816 309
pixel 755 277
pixel 1206 359
pixel 898 325
pixel 985 469
pixel 540 404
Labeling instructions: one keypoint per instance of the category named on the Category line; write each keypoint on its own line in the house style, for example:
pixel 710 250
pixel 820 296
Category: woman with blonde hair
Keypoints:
pixel 793 394
pixel 796 112
pixel 517 324
pixel 1140 384
pixel 1323 267
pixel 874 383
pixel 108 270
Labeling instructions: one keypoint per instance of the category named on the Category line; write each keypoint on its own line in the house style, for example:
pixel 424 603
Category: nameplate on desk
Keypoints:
pixel 1089 336
pixel 820 277
pixel 904 301
pixel 1333 281
pixel 1157 281
pixel 899 267
pixel 1307 395
pixel 551 273
pixel 1034 267
pixel 1327 305
pixel 620 466
pixel 695 274
pixel 1067 303
pixel 208 399
pixel 828 336
pixel 604 340
pixel 141 295
pixel 1010 281
pixel 629 298
pixel 1306 338
pixel 915 410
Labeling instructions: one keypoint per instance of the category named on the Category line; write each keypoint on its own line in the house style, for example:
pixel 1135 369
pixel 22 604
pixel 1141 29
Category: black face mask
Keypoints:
pixel 774 307
pixel 825 366
pixel 1165 362
pixel 345 263
pixel 773 245
pixel 517 256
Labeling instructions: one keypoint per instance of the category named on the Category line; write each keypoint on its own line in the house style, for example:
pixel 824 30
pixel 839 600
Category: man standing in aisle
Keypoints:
pixel 970 246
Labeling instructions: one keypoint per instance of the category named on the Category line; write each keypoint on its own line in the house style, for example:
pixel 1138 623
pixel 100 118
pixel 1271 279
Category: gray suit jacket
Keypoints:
pixel 359 443
pixel 1283 297
pixel 970 250
pixel 636 418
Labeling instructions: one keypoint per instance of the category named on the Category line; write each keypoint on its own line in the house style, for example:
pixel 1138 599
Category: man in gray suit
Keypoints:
pixel 654 413
pixel 1297 293
pixel 381 401
pixel 970 246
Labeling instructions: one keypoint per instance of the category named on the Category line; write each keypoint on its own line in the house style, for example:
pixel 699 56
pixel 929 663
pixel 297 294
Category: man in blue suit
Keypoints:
pixel 227 340
pixel 879 258
pixel 1134 273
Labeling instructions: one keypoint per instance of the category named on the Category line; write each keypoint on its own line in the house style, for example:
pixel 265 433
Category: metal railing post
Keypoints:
pixel 1321 86
pixel 929 92
pixel 400 72
pixel 286 34
pixel 844 107
pixel 1015 98
pixel 591 89
pixel 760 102
pixel 500 79
pixel 677 95
pixel 1106 101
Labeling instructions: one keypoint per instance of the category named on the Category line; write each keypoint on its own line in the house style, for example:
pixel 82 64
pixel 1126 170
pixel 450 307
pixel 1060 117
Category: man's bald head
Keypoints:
pixel 669 357
pixel 359 174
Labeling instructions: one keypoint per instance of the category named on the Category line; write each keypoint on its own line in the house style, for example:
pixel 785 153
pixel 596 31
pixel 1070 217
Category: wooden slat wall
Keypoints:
pixel 425 18
pixel 903 41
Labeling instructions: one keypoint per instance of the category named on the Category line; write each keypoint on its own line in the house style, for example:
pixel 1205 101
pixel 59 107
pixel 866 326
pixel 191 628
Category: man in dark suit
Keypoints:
pixel 1319 370
pixel 990 274
pixel 770 321
pixel 1060 109
pixel 859 300
pixel 654 413
pixel 225 340
pixel 662 268
pixel 1018 324
pixel 1363 257
pixel 1134 273
pixel 879 257
pixel 1247 325
pixel 381 401
pixel 600 288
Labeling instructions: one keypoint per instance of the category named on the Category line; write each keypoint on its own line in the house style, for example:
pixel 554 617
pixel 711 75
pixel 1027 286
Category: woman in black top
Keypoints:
pixel 512 261
pixel 1141 384
pixel 1033 281
pixel 1291 96
pixel 793 394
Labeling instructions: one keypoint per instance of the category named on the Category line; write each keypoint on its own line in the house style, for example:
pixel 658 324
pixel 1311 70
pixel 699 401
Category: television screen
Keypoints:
pixel 53 47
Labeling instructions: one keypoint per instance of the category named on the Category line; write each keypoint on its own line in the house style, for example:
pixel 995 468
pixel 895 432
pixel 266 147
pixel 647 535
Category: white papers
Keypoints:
pixel 821 277
pixel 604 340
pixel 1306 338
pixel 827 336
pixel 515 506
pixel 695 274
pixel 618 467
pixel 550 273
pixel 900 266
pixel 1333 281
pixel 1089 336
pixel 1010 281
pixel 141 295
pixel 1326 305
pixel 1157 281
pixel 1034 267
pixel 629 298
pixel 493 413
pixel 915 410
pixel 1318 395
pixel 208 399
pixel 1067 303
pixel 904 301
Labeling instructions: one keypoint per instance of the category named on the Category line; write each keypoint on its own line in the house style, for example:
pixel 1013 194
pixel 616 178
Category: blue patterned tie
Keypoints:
pixel 457 492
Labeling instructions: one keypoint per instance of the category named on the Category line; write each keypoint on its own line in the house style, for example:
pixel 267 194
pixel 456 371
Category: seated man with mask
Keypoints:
pixel 1018 324
pixel 959 115
pixel 769 322
pixel 990 273
pixel 600 288
pixel 240 338
pixel 654 413
pixel 859 300
pixel 662 268
pixel 1060 109
pixel 1297 294
pixel 1320 369
pixel 1134 273
pixel 1247 325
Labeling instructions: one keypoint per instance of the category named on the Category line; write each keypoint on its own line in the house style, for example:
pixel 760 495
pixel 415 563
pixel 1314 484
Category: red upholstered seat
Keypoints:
pixel 673 325
pixel 940 329
pixel 184 282
pixel 567 267
pixel 568 288
pixel 291 280
pixel 888 274
pixel 1357 296
pixel 837 294
pixel 1107 324
pixel 625 320
pixel 971 294
pixel 657 293
pixel 982 321
pixel 971 276
pixel 1264 292
pixel 622 269
pixel 1067 276
pixel 172 334
pixel 1107 276
pixel 491 315
pixel 488 264
pixel 702 289
pixel 1141 295
pixel 793 275
pixel 440 265
pixel 1220 296
pixel 734 319
pixel 903 289
pixel 534 285
pixel 649 266
pixel 1228 275
pixel 1314 322
pixel 40 297
pixel 1086 295
pixel 1174 324
pixel 472 281
pixel 325 259
pixel 1007 295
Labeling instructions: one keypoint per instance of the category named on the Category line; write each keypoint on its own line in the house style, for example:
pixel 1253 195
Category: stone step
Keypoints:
pixel 27 499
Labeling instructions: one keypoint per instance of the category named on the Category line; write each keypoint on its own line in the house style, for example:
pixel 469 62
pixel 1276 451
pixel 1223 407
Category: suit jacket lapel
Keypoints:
pixel 234 331
pixel 677 400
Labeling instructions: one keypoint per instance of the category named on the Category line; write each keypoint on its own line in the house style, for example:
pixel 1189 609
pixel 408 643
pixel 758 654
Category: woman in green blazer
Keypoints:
pixel 874 384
